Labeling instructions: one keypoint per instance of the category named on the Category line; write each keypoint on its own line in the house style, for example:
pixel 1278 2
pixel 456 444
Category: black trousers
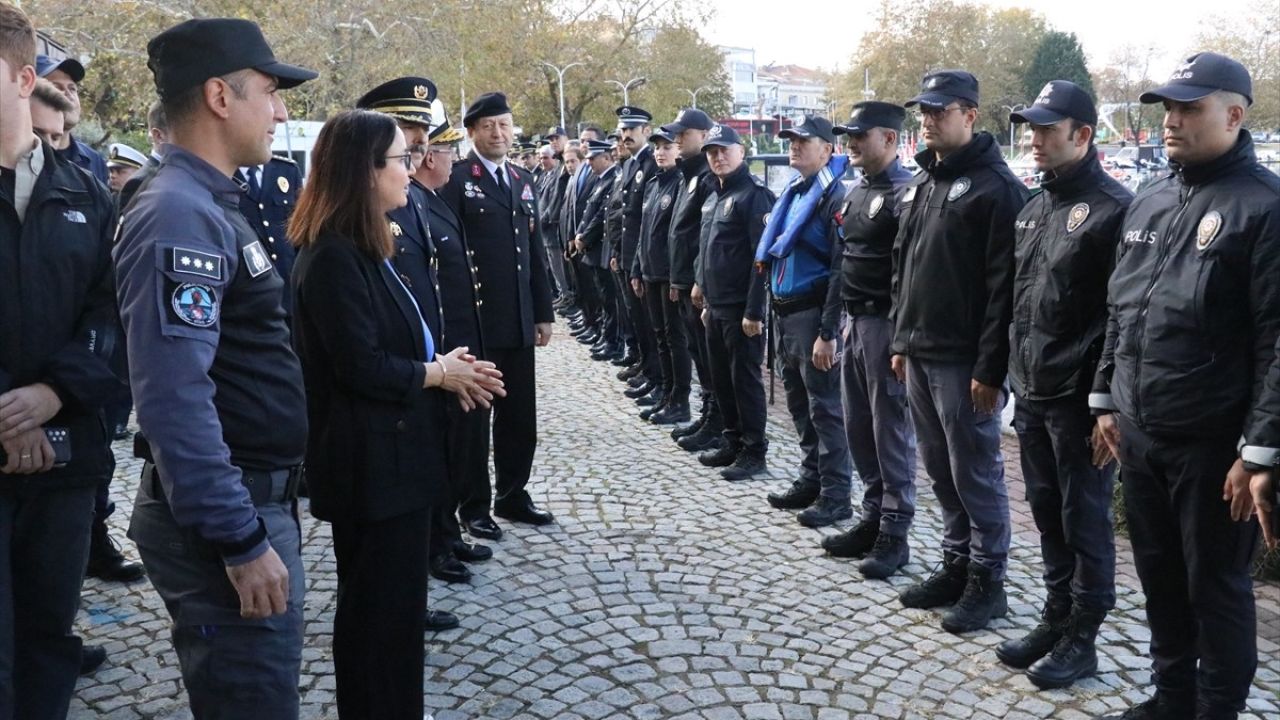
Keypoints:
pixel 643 331
pixel 611 318
pixel 44 544
pixel 735 362
pixel 1193 561
pixel 670 342
pixel 696 335
pixel 378 652
pixel 515 435
pixel 465 467
pixel 587 295
pixel 1070 500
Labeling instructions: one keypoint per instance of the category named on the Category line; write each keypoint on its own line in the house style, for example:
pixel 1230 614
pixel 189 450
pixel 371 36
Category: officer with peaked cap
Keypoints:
pixel 498 208
pixel 217 385
pixel 634 130
pixel 1194 316
pixel 122 162
pixel 591 241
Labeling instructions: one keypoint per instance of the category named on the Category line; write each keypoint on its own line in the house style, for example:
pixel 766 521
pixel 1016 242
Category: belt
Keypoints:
pixel 784 306
pixel 867 307
pixel 266 487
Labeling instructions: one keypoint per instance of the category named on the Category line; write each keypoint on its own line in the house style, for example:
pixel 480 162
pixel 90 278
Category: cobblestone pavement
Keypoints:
pixel 664 592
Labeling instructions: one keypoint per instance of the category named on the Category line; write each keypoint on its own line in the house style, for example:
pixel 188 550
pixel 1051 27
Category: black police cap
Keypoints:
pixel 721 136
pixel 406 98
pixel 691 119
pixel 663 133
pixel 813 126
pixel 191 52
pixel 942 87
pixel 1200 76
pixel 487 105
pixel 1059 100
pixel 872 114
pixel 555 131
pixel 630 116
pixel 70 66
pixel 598 147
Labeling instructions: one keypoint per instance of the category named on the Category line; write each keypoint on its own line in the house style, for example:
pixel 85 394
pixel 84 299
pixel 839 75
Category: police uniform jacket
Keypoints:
pixel 1065 248
pixel 376 447
pixel 615 207
pixel 865 227
pixel 635 173
pixel 953 260
pixel 686 219
pixel 595 218
pixel 133 183
pixel 1194 302
pixel 652 262
pixel 1261 450
pixel 216 384
pixel 460 285
pixel 502 229
pixel 280 181
pixel 415 256
pixel 57 311
pixel 729 275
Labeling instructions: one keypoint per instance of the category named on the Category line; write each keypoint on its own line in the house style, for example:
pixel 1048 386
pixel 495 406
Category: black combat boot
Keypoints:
pixel 887 556
pixel 722 456
pixel 675 411
pixel 1021 652
pixel 982 600
pixel 1074 655
pixel 853 543
pixel 1161 706
pixel 106 562
pixel 710 435
pixel 800 495
pixel 745 466
pixel 825 511
pixel 652 410
pixel 943 587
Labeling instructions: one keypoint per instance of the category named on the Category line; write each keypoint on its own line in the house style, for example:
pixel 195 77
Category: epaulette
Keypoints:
pixel 284 159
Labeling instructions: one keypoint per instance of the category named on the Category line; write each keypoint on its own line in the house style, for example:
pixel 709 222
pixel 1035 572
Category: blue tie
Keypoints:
pixel 255 188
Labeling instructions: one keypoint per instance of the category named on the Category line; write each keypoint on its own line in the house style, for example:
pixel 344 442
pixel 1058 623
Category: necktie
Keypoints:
pixel 502 179
pixel 255 188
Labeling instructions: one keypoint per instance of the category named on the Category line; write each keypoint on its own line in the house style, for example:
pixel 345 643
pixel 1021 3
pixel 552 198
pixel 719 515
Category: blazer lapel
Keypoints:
pixel 407 309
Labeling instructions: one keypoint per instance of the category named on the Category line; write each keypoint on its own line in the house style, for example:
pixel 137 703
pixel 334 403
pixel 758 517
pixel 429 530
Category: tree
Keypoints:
pixel 1253 38
pixel 1059 57
pixel 1120 84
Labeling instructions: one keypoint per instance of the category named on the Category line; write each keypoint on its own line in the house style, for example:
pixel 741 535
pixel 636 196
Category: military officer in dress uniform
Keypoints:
pixel 123 162
pixel 590 241
pixel 498 209
pixel 270 194
pixel 634 130
pixel 218 388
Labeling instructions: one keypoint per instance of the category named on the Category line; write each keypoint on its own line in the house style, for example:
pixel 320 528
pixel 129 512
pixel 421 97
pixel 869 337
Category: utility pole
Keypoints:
pixel 626 87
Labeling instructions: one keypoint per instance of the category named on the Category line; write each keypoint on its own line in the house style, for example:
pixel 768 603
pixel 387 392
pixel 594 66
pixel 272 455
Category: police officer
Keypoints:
pixel 1065 246
pixel 218 388
pixel 270 192
pixel 952 293
pixel 1194 314
pixel 123 162
pixel 66 75
pixel 634 128
pixel 55 227
pixel 590 243
pixel 797 251
pixel 877 425
pixel 1260 456
pixel 734 289
pixel 496 204
pixel 557 138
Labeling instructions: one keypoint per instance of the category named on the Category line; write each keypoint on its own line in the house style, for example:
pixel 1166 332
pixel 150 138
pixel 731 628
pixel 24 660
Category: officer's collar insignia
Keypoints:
pixel 475 170
pixel 195 304
pixel 283 183
pixel 420 92
pixel 1075 218
pixel 728 204
pixel 195 262
pixel 1210 224
pixel 666 201
pixel 877 202
pixel 693 184
pixel 959 188
pixel 396 230
pixel 256 259
pixel 526 193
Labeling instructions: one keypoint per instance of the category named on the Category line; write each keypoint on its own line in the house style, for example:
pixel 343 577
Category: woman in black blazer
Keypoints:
pixel 375 454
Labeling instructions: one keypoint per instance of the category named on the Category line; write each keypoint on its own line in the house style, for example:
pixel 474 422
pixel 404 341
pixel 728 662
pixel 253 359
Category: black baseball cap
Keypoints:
pixel 555 131
pixel 406 98
pixel 70 66
pixel 487 105
pixel 1059 100
pixel 872 114
pixel 663 133
pixel 813 126
pixel 721 136
pixel 191 52
pixel 691 119
pixel 1200 76
pixel 942 87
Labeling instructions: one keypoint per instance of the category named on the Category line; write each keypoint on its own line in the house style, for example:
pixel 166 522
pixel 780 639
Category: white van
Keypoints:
pixel 294 140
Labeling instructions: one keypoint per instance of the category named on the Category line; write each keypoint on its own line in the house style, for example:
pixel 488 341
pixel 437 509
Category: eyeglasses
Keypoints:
pixel 418 150
pixel 935 114
pixel 406 159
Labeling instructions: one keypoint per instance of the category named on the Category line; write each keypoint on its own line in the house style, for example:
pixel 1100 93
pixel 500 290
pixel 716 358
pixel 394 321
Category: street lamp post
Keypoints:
pixel 626 87
pixel 560 80
pixel 1012 109
pixel 693 94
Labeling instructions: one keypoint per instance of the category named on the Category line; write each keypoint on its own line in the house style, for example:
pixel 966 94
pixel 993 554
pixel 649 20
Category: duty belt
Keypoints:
pixel 784 306
pixel 265 486
pixel 867 307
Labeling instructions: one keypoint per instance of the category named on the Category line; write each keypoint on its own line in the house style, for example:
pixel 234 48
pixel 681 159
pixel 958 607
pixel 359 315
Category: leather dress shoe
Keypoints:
pixel 471 552
pixel 91 658
pixel 637 380
pixel 629 358
pixel 439 620
pixel 649 411
pixel 483 527
pixel 629 372
pixel 590 337
pixel 640 390
pixel 608 352
pixel 654 398
pixel 525 512
pixel 449 569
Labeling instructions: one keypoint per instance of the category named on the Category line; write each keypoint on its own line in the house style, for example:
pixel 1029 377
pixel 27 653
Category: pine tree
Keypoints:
pixel 1059 57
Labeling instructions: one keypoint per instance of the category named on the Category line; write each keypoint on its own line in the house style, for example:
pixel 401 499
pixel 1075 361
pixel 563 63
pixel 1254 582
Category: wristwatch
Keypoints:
pixel 826 335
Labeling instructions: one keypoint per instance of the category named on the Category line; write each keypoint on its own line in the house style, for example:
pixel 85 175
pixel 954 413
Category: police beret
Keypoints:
pixel 70 66
pixel 942 87
pixel 630 116
pixel 191 52
pixel 406 98
pixel 1058 101
pixel 487 105
pixel 722 136
pixel 1200 76
pixel 872 114
pixel 691 119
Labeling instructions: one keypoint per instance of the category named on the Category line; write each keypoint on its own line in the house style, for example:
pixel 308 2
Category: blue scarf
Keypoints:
pixel 783 229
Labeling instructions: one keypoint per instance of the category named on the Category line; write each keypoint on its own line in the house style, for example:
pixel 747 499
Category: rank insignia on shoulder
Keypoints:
pixel 256 258
pixel 282 183
pixel 1079 213
pixel 195 304
pixel 526 193
pixel 959 188
pixel 877 202
pixel 195 262
pixel 1208 229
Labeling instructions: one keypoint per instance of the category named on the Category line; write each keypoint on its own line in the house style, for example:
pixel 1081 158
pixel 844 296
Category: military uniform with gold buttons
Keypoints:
pixel 270 194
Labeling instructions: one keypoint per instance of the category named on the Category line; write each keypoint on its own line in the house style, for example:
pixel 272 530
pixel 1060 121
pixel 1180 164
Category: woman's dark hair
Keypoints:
pixel 338 195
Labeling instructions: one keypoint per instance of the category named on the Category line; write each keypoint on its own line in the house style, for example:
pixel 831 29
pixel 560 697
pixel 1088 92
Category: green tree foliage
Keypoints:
pixel 1253 38
pixel 1059 57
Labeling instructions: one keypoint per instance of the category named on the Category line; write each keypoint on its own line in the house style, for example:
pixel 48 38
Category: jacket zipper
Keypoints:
pixel 915 255
pixel 1025 347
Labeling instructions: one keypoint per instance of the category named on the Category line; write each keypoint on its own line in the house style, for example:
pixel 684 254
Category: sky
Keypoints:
pixel 1101 25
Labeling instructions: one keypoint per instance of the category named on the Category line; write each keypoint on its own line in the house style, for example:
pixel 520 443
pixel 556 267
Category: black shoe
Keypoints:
pixel 709 437
pixel 722 456
pixel 523 511
pixel 440 620
pixel 853 543
pixel 800 495
pixel 675 411
pixel 1161 706
pixel 943 587
pixel 652 410
pixel 483 527
pixel 91 658
pixel 685 431
pixel 639 391
pixel 628 372
pixel 449 569
pixel 603 351
pixel 471 552
pixel 637 380
pixel 823 512
pixel 1022 652
pixel 630 357
pixel 121 432
pixel 590 337
pixel 106 562
pixel 1074 656
pixel 654 398
pixel 887 557
pixel 746 466
pixel 982 600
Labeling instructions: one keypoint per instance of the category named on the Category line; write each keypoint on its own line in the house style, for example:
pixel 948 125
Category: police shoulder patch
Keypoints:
pixel 195 262
pixel 195 304
pixel 256 259
pixel 1079 213
pixel 959 188
pixel 877 202
pixel 1208 229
